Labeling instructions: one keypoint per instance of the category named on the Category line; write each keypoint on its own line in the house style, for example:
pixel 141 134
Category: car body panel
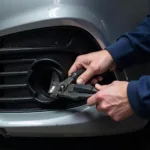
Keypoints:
pixel 105 20
pixel 76 122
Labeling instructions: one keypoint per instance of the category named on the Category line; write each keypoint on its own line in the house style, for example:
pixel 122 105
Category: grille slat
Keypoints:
pixel 27 50
pixel 10 99
pixel 21 73
pixel 14 92
pixel 17 61
pixel 11 86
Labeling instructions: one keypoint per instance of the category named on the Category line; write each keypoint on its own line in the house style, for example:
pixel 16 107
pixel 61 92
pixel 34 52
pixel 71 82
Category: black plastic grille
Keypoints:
pixel 18 53
pixel 14 80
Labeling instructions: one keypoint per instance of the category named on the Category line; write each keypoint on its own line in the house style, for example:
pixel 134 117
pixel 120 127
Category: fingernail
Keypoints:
pixel 80 81
pixel 96 84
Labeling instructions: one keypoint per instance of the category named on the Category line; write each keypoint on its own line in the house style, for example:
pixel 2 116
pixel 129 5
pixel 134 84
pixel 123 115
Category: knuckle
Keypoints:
pixel 79 58
pixel 115 82
pixel 93 68
pixel 98 95
pixel 103 106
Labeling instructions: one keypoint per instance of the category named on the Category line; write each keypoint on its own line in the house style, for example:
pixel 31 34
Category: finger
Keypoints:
pixel 94 81
pixel 75 67
pixel 101 106
pixel 101 87
pixel 98 86
pixel 86 76
pixel 92 100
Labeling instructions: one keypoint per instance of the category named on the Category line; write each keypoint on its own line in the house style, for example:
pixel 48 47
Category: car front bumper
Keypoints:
pixel 82 121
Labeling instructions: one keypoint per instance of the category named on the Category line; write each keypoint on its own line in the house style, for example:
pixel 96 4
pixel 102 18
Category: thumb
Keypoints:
pixel 86 76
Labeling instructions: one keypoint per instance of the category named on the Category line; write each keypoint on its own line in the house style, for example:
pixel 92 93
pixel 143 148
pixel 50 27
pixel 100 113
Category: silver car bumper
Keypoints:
pixel 83 121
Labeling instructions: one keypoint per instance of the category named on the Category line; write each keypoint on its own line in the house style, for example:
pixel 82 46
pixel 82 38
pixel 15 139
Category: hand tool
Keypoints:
pixel 69 89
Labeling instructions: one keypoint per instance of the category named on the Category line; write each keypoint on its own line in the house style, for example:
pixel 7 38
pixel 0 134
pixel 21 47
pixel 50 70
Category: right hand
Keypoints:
pixel 95 63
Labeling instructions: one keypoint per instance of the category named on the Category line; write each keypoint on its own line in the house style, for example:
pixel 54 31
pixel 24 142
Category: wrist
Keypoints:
pixel 134 99
pixel 108 56
pixel 110 60
pixel 120 52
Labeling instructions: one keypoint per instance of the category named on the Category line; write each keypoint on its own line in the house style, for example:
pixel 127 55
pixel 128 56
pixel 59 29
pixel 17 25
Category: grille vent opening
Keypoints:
pixel 18 53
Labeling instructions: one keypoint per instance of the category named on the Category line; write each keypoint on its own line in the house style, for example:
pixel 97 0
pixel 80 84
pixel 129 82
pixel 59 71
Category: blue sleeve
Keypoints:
pixel 132 47
pixel 139 96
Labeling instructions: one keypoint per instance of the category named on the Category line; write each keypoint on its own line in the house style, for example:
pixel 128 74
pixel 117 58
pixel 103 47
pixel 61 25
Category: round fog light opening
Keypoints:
pixel 43 75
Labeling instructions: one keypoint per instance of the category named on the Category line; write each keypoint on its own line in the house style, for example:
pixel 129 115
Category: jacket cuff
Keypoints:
pixel 120 51
pixel 134 100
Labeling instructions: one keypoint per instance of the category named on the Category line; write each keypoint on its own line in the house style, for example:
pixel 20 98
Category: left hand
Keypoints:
pixel 112 99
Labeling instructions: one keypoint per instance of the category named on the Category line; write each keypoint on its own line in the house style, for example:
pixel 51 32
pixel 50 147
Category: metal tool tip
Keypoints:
pixel 51 90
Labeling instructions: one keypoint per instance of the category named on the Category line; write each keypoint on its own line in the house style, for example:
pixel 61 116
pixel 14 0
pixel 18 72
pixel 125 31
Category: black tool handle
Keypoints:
pixel 89 89
pixel 77 73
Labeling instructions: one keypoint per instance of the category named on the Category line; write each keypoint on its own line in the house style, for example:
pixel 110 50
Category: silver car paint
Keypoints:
pixel 105 20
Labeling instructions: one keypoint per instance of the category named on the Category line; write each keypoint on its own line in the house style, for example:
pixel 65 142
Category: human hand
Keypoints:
pixel 95 63
pixel 112 99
